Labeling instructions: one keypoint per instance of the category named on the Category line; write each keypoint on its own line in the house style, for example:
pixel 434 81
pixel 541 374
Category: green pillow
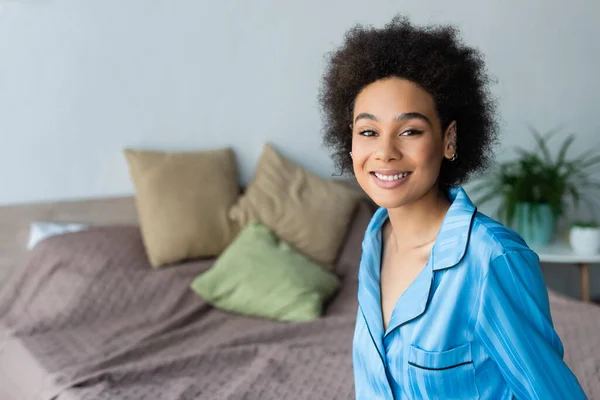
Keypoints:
pixel 259 275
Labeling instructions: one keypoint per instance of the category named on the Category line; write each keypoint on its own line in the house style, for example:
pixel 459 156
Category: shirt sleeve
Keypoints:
pixel 515 327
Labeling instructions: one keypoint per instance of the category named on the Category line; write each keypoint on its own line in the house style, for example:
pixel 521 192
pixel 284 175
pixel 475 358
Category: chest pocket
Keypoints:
pixel 444 375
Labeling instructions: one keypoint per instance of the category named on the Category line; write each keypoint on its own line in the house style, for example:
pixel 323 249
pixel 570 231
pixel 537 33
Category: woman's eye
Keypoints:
pixel 367 133
pixel 411 132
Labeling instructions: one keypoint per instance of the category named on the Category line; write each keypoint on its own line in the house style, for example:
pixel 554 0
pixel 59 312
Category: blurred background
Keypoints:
pixel 81 80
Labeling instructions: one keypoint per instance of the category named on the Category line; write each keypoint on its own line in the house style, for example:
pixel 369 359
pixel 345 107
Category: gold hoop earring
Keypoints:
pixel 453 157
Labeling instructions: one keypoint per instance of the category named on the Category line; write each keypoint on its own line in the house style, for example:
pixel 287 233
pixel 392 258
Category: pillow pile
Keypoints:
pixel 260 275
pixel 309 212
pixel 182 201
pixel 276 243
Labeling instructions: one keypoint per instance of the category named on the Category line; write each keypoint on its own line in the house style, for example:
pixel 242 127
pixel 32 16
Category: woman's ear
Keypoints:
pixel 450 141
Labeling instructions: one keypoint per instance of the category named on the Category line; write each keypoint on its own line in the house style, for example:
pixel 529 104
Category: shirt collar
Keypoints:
pixel 453 236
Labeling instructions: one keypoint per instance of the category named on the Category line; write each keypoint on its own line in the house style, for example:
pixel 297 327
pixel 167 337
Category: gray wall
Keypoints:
pixel 80 80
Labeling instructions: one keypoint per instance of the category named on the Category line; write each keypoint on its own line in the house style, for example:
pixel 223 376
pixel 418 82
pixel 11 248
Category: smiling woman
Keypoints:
pixel 397 140
pixel 452 304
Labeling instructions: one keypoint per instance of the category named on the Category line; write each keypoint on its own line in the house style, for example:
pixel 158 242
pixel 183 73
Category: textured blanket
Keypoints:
pixel 101 324
pixel 109 327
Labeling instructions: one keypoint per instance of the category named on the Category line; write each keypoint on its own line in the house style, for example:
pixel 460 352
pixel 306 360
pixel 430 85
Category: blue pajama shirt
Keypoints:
pixel 475 323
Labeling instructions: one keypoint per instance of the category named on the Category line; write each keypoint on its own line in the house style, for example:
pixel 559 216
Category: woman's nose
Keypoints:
pixel 387 151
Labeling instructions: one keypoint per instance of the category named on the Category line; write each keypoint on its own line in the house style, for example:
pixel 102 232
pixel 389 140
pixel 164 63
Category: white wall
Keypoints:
pixel 80 80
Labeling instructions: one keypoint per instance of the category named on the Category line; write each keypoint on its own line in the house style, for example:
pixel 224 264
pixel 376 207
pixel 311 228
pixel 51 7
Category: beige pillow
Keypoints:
pixel 182 201
pixel 310 213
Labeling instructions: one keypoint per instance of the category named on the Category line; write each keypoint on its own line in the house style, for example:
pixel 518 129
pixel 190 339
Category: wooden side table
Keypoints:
pixel 561 252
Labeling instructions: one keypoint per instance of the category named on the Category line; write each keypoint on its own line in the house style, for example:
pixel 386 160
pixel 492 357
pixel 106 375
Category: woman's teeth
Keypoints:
pixel 391 177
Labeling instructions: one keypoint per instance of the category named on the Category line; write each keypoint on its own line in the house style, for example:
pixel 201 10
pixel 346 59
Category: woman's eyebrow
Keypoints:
pixel 365 116
pixel 412 115
pixel 399 117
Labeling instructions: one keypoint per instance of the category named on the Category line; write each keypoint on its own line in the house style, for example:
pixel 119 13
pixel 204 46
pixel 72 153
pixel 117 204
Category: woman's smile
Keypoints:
pixel 390 180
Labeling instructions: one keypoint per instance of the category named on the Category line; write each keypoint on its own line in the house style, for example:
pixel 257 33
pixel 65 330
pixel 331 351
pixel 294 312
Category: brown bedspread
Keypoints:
pixel 578 326
pixel 103 325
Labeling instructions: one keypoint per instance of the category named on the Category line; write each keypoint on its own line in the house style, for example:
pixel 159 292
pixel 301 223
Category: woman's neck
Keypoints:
pixel 416 225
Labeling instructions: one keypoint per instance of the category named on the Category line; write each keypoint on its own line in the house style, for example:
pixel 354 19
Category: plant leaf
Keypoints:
pixel 560 159
pixel 542 141
pixel 590 162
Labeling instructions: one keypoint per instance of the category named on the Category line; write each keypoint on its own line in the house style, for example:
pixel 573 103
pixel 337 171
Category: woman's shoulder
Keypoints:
pixel 492 239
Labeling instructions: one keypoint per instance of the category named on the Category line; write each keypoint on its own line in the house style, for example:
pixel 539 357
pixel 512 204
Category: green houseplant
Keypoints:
pixel 535 188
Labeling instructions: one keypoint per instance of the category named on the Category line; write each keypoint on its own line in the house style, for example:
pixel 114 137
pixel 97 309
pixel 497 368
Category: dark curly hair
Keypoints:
pixel 436 59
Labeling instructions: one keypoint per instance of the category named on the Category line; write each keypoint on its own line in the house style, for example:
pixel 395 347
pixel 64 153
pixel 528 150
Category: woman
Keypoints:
pixel 452 305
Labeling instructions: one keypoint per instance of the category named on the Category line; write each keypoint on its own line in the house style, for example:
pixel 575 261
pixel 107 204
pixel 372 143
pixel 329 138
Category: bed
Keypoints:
pixel 83 316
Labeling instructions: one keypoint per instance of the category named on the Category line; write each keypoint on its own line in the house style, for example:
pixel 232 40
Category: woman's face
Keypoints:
pixel 397 142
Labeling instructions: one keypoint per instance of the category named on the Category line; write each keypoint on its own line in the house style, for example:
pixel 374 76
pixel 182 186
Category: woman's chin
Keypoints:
pixel 387 200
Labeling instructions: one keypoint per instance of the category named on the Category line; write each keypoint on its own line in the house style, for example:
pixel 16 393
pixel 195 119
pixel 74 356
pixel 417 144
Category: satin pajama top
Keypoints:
pixel 475 323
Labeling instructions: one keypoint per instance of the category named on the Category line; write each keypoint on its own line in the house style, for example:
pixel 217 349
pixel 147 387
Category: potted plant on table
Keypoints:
pixel 535 188
pixel 584 237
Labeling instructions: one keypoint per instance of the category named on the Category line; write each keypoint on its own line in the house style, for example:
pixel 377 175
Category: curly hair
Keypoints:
pixel 436 59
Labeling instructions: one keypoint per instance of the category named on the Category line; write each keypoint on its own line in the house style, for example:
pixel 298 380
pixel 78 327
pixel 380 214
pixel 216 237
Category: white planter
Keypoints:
pixel 585 241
